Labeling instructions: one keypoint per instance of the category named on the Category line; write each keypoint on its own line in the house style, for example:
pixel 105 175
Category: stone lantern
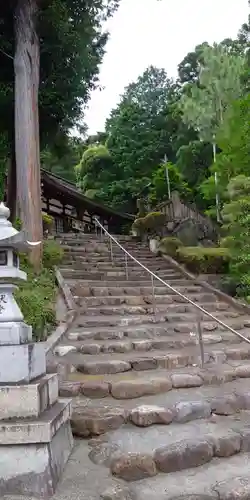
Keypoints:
pixel 35 433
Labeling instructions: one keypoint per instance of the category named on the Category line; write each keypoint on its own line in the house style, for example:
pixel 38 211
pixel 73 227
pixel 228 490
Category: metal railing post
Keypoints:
pixel 153 294
pixel 126 265
pixel 200 339
pixel 111 251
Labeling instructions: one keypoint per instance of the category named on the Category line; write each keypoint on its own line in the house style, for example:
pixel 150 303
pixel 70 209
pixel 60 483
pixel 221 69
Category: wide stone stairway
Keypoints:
pixel 155 422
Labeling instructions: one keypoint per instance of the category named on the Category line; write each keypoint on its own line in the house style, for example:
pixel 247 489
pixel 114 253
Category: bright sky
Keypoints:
pixel 161 33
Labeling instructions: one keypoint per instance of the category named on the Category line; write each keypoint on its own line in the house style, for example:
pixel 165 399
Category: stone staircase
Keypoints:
pixel 162 425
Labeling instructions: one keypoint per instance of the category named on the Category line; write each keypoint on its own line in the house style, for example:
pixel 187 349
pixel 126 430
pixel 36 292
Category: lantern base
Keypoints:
pixel 21 363
pixel 14 333
pixel 35 469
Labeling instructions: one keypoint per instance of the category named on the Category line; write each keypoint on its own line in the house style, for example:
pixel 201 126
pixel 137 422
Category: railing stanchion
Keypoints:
pixel 111 250
pixel 200 339
pixel 126 265
pixel 153 294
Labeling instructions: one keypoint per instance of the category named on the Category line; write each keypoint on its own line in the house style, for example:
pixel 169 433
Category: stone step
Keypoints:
pixel 144 286
pixel 102 250
pixel 119 362
pixel 138 384
pixel 93 417
pixel 125 309
pixel 151 331
pixel 220 479
pixel 128 288
pixel 175 321
pixel 80 274
pixel 141 345
pixel 134 454
pixel 106 259
pixel 142 300
pixel 114 268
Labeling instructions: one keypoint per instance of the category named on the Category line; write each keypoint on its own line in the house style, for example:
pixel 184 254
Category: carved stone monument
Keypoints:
pixel 35 432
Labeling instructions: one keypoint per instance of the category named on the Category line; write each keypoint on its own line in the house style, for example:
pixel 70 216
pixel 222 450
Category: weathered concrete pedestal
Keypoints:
pixel 35 432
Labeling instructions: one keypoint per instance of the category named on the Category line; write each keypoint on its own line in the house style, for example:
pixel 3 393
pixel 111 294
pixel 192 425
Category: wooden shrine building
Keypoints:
pixel 72 211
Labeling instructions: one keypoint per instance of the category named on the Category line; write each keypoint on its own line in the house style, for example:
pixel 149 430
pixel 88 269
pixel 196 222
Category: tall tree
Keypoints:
pixel 27 65
pixel 141 130
pixel 72 45
pixel 219 83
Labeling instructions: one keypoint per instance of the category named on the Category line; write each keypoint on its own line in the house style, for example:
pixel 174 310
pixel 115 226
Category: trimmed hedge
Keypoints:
pixel 202 260
pixel 169 245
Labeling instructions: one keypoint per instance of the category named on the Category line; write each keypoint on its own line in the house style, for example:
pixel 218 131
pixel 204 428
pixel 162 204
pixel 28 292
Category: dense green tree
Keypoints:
pixel 71 42
pixel 159 190
pixel 193 162
pixel 95 168
pixel 145 126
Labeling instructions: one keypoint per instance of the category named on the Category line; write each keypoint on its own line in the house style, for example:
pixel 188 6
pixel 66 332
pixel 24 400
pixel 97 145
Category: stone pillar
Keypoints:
pixel 35 432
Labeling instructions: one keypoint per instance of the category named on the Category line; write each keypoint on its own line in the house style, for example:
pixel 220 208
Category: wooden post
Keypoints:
pixel 26 65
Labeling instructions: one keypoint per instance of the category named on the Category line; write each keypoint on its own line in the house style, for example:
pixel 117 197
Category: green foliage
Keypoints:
pixel 159 191
pixel 170 245
pixel 236 217
pixel 36 297
pixel 201 260
pixel 52 254
pixel 234 142
pixel 94 171
pixel 193 162
pixel 142 129
pixel 219 83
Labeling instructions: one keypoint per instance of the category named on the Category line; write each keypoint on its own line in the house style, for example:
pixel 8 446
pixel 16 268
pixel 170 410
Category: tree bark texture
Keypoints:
pixel 27 67
pixel 11 183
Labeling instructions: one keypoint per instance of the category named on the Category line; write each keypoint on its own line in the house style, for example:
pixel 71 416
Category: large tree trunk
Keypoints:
pixel 26 64
pixel 11 188
pixel 11 183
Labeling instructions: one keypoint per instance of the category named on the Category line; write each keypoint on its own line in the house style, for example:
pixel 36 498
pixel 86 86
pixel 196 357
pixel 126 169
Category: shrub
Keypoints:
pixel 152 224
pixel 37 296
pixel 52 254
pixel 201 260
pixel 169 245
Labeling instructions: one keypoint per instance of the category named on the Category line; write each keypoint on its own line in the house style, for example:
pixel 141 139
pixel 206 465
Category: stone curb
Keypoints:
pixel 181 455
pixel 64 288
pixel 95 422
pixel 69 317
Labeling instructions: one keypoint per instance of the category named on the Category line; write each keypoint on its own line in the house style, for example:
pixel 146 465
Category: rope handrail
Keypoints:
pixel 153 275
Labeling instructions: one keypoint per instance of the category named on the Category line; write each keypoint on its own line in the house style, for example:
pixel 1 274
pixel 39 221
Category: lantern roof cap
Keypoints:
pixel 9 236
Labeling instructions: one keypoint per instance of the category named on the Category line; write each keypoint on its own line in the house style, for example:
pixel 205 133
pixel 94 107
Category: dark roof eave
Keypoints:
pixel 69 188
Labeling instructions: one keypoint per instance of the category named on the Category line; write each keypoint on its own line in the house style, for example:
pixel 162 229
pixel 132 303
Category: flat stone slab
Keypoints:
pixel 30 400
pixel 40 430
